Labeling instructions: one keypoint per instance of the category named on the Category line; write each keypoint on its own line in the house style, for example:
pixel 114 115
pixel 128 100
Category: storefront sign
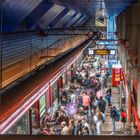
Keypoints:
pixel 90 51
pixel 101 52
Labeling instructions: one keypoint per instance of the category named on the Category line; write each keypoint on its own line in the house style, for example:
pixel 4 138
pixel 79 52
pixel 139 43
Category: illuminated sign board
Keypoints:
pixel 101 52
pixel 112 52
pixel 117 74
pixel 90 51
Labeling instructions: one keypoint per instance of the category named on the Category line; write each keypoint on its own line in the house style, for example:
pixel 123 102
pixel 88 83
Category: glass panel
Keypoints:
pixel 69 73
pixel 54 91
pixel 64 79
pixel 42 105
pixel 35 118
pixel 20 127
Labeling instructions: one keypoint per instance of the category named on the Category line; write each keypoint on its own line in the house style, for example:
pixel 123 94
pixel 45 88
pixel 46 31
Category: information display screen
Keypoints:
pixel 112 52
pixel 101 52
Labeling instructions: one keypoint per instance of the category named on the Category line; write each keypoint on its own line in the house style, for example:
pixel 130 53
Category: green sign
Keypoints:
pixel 42 105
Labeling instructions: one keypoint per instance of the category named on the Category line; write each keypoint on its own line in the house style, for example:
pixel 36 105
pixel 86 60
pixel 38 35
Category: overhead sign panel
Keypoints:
pixel 101 52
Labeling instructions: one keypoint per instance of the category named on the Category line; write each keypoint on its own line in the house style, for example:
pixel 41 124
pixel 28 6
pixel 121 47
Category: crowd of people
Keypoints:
pixel 83 106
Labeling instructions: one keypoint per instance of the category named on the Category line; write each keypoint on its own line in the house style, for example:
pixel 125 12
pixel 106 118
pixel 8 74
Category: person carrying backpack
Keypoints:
pixel 114 114
pixel 102 106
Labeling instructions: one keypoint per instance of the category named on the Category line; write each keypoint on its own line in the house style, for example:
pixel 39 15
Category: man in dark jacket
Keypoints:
pixel 102 105
pixel 115 117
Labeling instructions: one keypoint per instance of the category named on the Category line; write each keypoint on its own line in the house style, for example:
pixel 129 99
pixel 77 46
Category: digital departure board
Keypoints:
pixel 101 52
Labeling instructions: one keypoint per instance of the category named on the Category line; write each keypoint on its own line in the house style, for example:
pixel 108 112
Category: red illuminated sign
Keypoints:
pixel 116 76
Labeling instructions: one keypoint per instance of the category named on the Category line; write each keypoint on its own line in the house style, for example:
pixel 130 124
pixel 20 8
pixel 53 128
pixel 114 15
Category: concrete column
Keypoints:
pixel 0 53
pixel 138 99
pixel 132 34
pixel 0 62
pixel 138 95
pixel 129 28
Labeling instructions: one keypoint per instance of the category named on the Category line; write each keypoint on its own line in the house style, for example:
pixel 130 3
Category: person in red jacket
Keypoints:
pixel 123 118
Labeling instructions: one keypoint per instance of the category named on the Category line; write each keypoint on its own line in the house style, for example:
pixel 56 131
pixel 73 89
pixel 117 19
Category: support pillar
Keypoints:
pixel 0 53
pixel 138 96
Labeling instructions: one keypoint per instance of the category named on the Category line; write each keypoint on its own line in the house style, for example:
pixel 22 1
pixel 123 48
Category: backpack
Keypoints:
pixel 117 118
pixel 102 106
pixel 115 114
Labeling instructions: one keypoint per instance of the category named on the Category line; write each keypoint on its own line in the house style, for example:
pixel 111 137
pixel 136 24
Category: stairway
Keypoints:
pixel 115 100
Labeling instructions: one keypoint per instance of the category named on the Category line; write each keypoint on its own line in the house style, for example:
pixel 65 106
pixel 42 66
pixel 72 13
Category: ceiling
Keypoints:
pixel 29 14
pixel 113 7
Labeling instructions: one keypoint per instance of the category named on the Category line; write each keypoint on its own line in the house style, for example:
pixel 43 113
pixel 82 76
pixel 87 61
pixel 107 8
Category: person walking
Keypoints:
pixel 52 131
pixel 85 131
pixel 73 98
pixel 98 119
pixel 85 101
pixel 102 106
pixel 79 127
pixel 108 95
pixel 71 127
pixel 123 118
pixel 115 117
pixel 64 130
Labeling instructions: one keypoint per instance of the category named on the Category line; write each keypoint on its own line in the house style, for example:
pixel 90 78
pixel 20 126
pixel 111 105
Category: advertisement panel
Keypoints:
pixel 116 74
pixel 42 105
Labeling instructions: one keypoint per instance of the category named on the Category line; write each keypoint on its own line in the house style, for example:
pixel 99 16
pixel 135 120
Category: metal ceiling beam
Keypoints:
pixel 59 31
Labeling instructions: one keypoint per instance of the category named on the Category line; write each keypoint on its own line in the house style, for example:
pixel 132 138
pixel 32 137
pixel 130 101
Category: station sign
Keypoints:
pixel 113 52
pixel 101 52
pixel 90 51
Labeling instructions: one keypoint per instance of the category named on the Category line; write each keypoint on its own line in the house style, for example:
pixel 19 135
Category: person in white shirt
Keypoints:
pixel 64 130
